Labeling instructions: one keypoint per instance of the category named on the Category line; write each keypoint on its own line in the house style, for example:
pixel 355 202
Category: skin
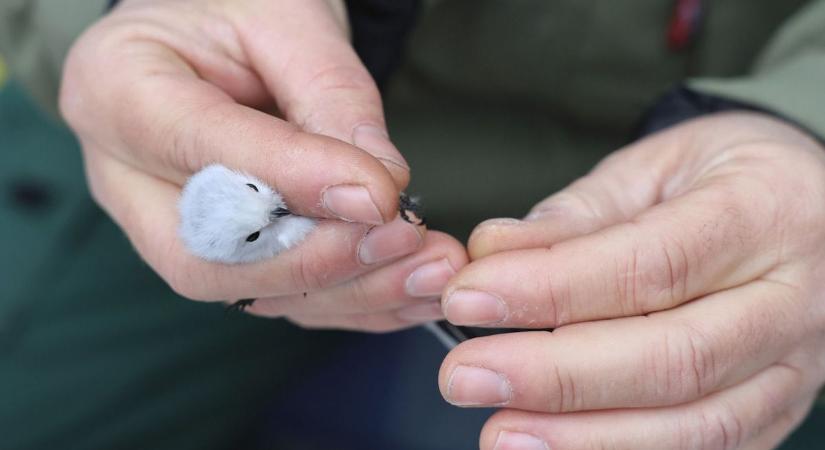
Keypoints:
pixel 683 275
pixel 158 89
pixel 684 279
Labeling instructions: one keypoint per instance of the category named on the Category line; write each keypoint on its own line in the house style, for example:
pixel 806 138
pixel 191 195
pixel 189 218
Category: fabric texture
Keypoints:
pixel 379 33
pixel 35 36
pixel 787 77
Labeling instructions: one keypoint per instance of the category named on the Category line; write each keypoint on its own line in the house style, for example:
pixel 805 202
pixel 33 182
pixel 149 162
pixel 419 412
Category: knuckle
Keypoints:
pixel 342 77
pixel 348 89
pixel 136 120
pixel 558 301
pixel 671 280
pixel 183 136
pixel 307 272
pixel 565 393
pixel 628 282
pixel 581 203
pixel 683 365
pixel 573 202
pixel 361 297
pixel 653 276
pixel 719 428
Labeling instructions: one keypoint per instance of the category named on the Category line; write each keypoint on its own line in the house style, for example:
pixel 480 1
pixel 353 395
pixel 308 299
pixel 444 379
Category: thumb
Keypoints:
pixel 317 80
pixel 617 189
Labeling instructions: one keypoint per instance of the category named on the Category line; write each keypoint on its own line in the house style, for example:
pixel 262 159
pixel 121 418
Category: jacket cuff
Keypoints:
pixel 684 102
pixel 681 104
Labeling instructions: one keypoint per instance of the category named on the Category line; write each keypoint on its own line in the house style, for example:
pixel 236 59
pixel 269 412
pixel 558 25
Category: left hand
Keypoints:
pixel 685 279
pixel 156 90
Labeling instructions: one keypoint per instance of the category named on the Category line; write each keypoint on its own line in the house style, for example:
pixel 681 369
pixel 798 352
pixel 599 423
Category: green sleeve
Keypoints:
pixel 788 78
pixel 35 36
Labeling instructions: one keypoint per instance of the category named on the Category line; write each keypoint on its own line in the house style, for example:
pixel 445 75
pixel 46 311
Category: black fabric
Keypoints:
pixel 379 33
pixel 681 104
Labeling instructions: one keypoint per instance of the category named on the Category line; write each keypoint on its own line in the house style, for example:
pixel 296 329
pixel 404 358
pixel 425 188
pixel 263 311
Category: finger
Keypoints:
pixel 619 187
pixel 667 358
pixel 381 322
pixel 781 428
pixel 700 242
pixel 171 124
pixel 333 252
pixel 318 81
pixel 414 280
pixel 723 421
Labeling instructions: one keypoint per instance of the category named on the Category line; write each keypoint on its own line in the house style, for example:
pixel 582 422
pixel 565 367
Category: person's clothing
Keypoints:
pixel 96 352
pixel 35 36
pixel 497 104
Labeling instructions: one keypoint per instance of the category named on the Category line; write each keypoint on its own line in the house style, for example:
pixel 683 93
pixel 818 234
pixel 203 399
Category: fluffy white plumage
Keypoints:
pixel 232 217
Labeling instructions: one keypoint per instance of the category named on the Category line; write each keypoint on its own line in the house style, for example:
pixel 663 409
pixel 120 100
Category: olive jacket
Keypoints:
pixel 558 84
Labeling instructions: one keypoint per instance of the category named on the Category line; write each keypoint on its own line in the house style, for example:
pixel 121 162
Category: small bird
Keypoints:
pixel 232 217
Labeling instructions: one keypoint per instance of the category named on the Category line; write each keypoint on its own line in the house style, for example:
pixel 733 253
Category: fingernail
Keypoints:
pixel 351 203
pixel 376 142
pixel 466 307
pixel 477 386
pixel 502 221
pixel 511 440
pixel 540 214
pixel 428 280
pixel 421 313
pixel 397 238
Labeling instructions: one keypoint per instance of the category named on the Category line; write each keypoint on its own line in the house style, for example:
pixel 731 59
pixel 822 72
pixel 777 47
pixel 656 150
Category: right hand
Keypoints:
pixel 158 89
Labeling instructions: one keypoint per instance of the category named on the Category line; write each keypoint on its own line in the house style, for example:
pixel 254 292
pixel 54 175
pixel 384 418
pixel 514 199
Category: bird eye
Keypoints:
pixel 253 237
pixel 253 187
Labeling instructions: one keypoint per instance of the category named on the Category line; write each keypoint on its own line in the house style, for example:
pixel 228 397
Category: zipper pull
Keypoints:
pixel 684 24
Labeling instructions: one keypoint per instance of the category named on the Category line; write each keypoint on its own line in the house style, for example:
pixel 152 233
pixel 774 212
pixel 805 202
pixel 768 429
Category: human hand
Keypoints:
pixel 684 277
pixel 157 90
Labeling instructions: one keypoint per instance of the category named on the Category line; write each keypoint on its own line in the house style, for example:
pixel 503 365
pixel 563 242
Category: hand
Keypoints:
pixel 684 278
pixel 158 89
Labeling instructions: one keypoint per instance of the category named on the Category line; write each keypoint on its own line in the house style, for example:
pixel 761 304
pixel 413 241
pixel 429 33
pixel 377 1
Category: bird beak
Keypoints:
pixel 278 213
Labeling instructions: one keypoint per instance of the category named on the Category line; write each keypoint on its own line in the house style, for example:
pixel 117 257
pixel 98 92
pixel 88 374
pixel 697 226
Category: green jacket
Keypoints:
pixel 559 84
pixel 564 55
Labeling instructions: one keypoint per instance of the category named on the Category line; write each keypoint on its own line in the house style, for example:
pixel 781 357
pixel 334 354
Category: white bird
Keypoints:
pixel 232 217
